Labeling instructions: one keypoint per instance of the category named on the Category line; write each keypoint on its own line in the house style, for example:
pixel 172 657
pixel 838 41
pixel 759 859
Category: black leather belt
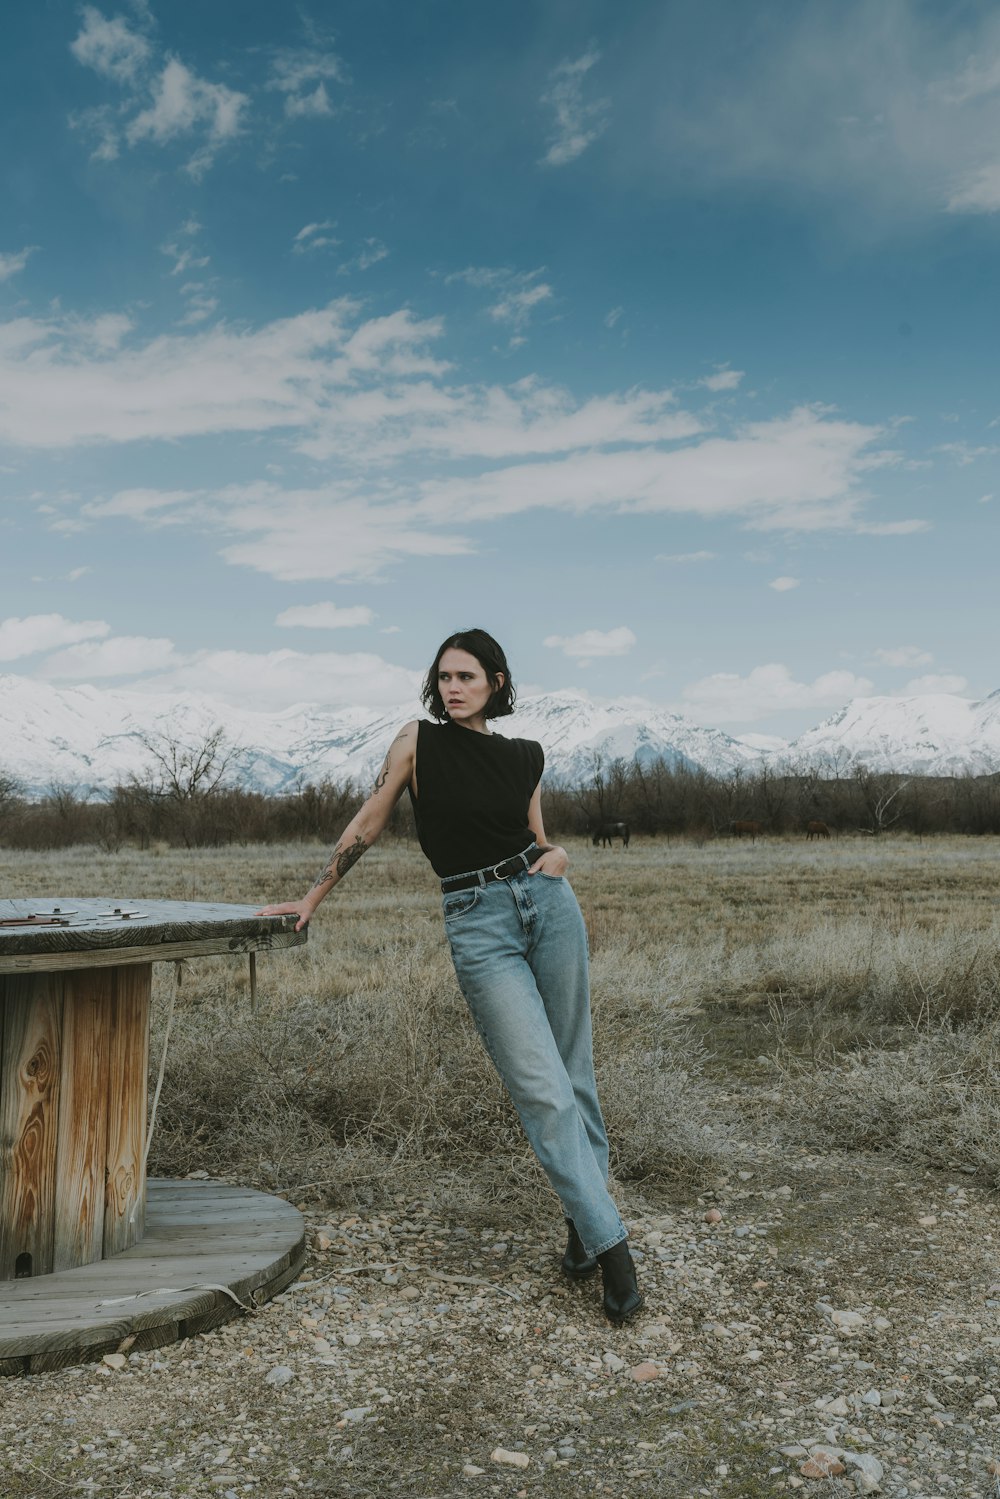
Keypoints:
pixel 506 870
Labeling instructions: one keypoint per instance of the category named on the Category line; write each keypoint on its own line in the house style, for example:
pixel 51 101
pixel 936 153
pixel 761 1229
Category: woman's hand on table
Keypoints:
pixel 553 862
pixel 303 909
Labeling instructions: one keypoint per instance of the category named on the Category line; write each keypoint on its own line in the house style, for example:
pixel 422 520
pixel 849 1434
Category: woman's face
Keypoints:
pixel 464 687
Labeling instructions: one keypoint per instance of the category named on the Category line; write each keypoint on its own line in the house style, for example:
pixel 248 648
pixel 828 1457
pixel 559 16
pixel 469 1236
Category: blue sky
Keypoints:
pixel 660 340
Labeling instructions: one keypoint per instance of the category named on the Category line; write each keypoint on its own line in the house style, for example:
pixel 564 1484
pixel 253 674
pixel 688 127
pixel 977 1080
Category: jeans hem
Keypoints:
pixel 610 1244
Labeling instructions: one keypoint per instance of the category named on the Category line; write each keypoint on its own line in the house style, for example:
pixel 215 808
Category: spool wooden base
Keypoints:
pixel 73 1058
pixel 200 1236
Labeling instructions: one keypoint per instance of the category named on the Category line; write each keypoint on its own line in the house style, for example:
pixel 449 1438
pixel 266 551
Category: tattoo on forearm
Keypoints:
pixel 341 860
pixel 383 774
pixel 350 856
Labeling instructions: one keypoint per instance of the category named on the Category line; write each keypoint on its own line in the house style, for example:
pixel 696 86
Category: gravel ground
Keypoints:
pixel 836 1331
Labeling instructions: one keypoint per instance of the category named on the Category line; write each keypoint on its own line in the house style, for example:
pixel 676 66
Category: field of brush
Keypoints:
pixel 748 1000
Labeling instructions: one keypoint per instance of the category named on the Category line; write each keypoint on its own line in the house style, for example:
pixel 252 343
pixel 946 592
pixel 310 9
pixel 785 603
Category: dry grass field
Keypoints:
pixel 819 1020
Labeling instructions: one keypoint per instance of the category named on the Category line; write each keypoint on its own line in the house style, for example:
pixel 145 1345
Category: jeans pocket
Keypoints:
pixel 461 903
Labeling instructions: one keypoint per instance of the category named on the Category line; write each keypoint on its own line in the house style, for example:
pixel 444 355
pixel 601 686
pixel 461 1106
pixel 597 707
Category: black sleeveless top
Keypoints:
pixel 473 792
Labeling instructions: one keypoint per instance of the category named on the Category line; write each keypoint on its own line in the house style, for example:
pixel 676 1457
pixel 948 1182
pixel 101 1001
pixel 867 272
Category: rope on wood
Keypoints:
pixel 201 1285
pixel 159 1081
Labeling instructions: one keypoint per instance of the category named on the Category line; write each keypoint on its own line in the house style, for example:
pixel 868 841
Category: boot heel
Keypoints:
pixel 622 1297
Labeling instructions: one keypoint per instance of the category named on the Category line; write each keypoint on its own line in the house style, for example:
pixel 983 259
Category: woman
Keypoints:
pixel 516 933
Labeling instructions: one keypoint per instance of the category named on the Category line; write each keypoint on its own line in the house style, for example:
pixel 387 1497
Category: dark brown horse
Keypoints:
pixel 816 830
pixel 748 829
pixel 606 832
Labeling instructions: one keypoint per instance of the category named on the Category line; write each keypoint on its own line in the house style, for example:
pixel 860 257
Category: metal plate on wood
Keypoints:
pixel 73 932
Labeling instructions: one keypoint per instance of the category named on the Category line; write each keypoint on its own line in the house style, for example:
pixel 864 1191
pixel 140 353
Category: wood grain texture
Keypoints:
pixel 117 957
pixel 83 1122
pixel 30 1056
pixel 128 1066
pixel 78 1315
pixel 162 924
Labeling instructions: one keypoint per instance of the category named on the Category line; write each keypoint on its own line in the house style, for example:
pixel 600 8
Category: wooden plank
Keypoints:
pixel 77 1315
pixel 93 925
pixel 31 1022
pixel 83 1122
pixel 128 1066
pixel 160 952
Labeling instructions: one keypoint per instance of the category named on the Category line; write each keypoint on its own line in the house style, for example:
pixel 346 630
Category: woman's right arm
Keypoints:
pixel 363 829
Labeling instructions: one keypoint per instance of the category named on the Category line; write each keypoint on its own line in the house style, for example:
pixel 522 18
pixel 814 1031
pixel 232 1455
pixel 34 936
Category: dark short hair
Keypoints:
pixel 494 663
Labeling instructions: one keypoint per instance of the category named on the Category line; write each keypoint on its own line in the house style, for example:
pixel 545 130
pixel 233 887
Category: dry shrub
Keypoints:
pixel 375 1092
pixel 891 975
pixel 937 1102
pixel 663 1118
pixel 362 1072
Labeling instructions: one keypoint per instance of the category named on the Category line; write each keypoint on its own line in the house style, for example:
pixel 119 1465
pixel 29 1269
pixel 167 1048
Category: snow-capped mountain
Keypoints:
pixel 938 735
pixel 91 738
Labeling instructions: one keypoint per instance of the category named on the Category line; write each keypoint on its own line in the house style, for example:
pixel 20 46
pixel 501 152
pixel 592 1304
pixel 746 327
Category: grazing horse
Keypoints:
pixel 748 829
pixel 816 830
pixel 606 832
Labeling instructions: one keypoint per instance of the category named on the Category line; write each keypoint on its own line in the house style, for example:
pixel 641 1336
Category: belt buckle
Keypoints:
pixel 495 871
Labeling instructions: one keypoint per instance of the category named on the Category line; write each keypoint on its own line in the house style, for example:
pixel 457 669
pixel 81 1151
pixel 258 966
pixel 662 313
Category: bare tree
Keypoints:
pixel 881 797
pixel 185 779
pixel 11 792
pixel 185 772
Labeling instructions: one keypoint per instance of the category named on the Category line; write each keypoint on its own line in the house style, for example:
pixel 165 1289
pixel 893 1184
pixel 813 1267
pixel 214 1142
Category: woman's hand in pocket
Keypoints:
pixel 553 862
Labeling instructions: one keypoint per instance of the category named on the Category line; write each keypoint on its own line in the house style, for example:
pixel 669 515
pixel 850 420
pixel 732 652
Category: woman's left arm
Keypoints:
pixel 554 860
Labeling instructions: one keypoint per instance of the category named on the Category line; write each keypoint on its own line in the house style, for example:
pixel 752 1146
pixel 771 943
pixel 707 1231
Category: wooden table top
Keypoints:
pixel 62 932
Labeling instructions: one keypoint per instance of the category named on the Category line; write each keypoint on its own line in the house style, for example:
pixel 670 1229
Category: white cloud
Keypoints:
pixel 55 393
pixel 112 48
pixel 327 534
pixel 200 306
pixel 892 527
pixel 891 111
pixel 184 103
pixel 984 499
pixel 185 258
pixel 782 585
pixel 516 306
pixel 802 472
pixel 139 504
pixel 965 453
pixel 44 632
pixel 578 122
pixel 314 105
pixel 590 644
pixel 315 237
pixel 163 102
pixel 120 656
pixel 903 655
pixel 371 252
pixel 726 697
pixel 325 617
pixel 686 556
pixel 10 265
pixel 370 399
pixel 723 379
pixel 279 679
pixel 979 191
pixel 520 293
pixel 932 684
pixel 301 74
pixel 612 317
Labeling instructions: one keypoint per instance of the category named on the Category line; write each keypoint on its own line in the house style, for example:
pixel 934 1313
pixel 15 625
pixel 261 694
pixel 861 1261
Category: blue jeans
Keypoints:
pixel 520 952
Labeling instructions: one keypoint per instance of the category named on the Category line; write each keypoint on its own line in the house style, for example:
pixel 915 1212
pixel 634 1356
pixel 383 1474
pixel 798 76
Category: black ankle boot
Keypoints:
pixel 576 1262
pixel 622 1297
